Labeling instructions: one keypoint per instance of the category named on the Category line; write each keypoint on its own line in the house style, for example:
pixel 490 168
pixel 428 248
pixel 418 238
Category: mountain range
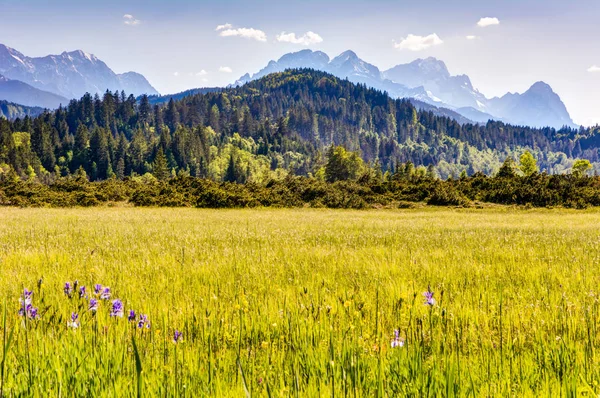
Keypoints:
pixel 67 75
pixel 428 81
pixel 53 80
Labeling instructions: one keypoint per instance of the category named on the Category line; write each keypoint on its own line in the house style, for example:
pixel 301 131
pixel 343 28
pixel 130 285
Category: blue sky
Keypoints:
pixel 175 43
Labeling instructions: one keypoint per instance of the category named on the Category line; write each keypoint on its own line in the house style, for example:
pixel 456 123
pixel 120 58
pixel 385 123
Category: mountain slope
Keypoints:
pixel 70 74
pixel 12 111
pixel 21 93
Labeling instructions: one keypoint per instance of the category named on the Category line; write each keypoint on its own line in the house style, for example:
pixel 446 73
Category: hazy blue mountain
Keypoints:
pixel 22 93
pixel 163 99
pixel 429 81
pixel 444 112
pixel 539 106
pixel 476 115
pixel 136 84
pixel 12 111
pixel 70 74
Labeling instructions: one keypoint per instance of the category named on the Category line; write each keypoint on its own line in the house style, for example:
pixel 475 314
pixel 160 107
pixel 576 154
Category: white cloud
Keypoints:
pixel 594 69
pixel 204 80
pixel 418 43
pixel 176 74
pixel 488 21
pixel 130 20
pixel 307 39
pixel 471 37
pixel 225 69
pixel 224 26
pixel 202 73
pixel 248 33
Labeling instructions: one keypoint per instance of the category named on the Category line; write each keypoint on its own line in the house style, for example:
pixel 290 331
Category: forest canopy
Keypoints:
pixel 283 123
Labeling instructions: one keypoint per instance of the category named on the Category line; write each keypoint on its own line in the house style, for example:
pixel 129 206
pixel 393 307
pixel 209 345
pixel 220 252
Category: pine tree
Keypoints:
pixel 231 173
pixel 81 149
pixel 99 153
pixel 507 170
pixel 145 110
pixel 160 166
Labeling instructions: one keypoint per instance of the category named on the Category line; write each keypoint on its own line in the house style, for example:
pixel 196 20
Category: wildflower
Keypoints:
pixel 105 295
pixel 97 288
pixel 82 292
pixel 68 289
pixel 25 299
pixel 93 305
pixel 29 311
pixel 398 341
pixel 131 316
pixel 177 336
pixel 429 300
pixel 33 313
pixel 117 309
pixel 143 322
pixel 74 322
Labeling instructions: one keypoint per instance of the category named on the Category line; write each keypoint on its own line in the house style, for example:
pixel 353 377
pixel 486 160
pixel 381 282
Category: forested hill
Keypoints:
pixel 281 123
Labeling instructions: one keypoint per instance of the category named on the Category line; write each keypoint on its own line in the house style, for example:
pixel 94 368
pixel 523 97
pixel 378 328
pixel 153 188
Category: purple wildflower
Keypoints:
pixel 33 313
pixel 68 289
pixel 97 288
pixel 74 322
pixel 93 305
pixel 398 341
pixel 117 309
pixel 177 336
pixel 131 316
pixel 429 300
pixel 105 295
pixel 29 311
pixel 82 292
pixel 25 299
pixel 143 322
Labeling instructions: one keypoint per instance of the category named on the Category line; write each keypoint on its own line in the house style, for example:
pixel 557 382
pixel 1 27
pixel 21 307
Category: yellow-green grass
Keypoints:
pixel 304 302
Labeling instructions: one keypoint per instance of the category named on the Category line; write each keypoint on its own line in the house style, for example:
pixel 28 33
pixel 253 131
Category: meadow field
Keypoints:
pixel 299 302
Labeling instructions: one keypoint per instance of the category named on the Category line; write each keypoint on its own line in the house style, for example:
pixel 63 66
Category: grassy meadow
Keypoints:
pixel 301 302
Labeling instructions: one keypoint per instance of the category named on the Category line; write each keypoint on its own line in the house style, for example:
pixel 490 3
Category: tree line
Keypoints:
pixel 287 123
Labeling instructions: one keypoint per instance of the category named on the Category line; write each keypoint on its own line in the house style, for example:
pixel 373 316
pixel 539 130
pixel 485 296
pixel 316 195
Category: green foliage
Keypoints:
pixel 369 190
pixel 342 165
pixel 508 168
pixel 581 167
pixel 528 164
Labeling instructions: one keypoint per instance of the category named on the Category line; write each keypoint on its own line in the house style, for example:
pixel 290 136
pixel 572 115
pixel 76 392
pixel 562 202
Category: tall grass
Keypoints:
pixel 303 302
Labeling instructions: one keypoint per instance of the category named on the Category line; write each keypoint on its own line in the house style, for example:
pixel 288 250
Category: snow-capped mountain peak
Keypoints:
pixel 428 80
pixel 69 74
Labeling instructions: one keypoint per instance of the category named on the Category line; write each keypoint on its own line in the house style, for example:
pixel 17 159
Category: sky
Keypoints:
pixel 502 45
